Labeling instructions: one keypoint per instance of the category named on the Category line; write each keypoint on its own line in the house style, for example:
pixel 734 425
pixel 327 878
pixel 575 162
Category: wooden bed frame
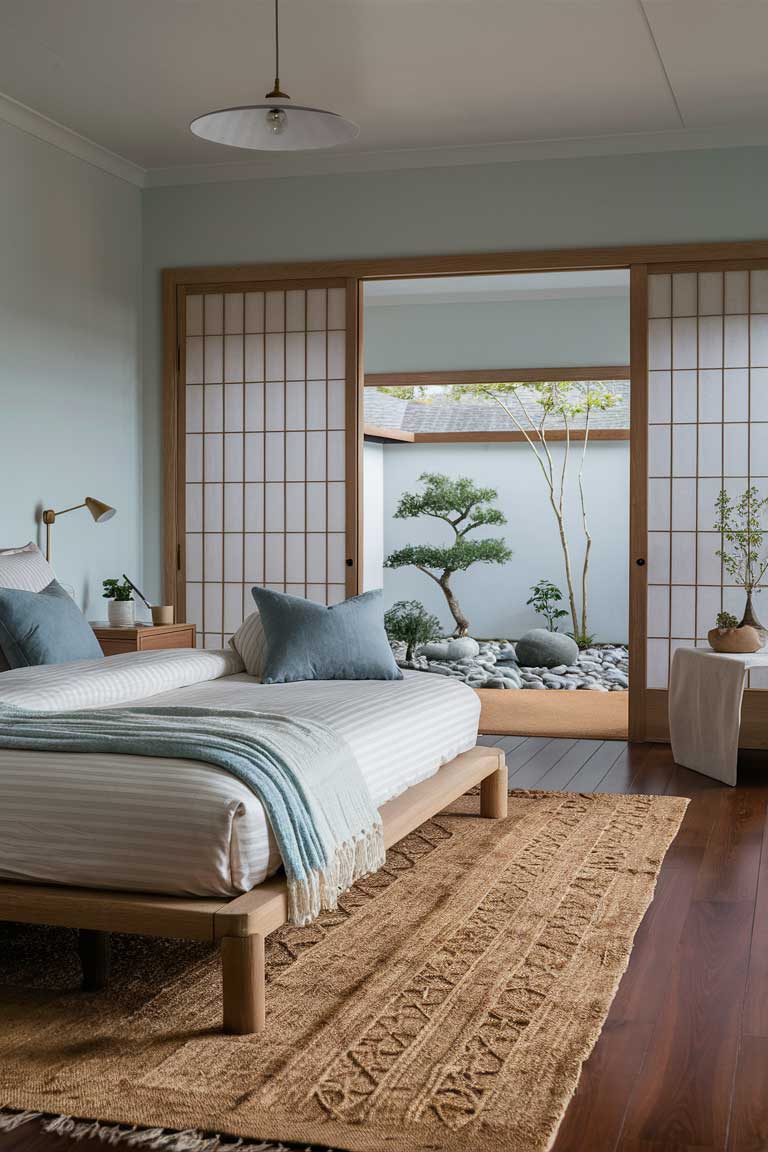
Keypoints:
pixel 243 922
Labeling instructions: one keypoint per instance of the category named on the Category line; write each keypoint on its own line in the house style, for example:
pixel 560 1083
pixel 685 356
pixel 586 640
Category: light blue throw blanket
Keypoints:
pixel 327 829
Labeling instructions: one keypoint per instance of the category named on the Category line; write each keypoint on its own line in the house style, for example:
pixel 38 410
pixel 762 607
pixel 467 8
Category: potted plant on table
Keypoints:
pixel 730 636
pixel 742 551
pixel 120 610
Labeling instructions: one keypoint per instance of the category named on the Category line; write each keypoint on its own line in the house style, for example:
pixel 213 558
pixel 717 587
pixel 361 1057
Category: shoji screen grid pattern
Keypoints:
pixel 265 445
pixel 708 429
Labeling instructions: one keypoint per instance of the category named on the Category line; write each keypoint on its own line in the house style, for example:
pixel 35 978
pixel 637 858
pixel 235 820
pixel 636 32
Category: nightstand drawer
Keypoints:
pixel 144 639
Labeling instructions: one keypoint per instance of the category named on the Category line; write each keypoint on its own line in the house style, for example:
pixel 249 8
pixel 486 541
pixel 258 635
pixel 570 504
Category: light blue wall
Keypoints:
pixel 493 596
pixel 669 197
pixel 70 284
pixel 495 334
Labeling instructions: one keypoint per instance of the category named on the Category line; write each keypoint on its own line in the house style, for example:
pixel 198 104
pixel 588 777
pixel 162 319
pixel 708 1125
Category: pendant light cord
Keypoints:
pixel 276 90
pixel 277 45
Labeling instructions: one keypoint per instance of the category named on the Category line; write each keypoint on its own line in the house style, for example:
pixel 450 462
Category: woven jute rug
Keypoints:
pixel 448 1005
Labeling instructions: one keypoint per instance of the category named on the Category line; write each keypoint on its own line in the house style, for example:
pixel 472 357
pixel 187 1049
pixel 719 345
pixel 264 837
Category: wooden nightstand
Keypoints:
pixel 143 638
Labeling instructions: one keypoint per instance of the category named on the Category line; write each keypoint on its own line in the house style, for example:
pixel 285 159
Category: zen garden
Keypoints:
pixel 559 652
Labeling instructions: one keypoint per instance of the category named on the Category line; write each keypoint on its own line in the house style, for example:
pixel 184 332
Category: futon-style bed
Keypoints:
pixel 103 841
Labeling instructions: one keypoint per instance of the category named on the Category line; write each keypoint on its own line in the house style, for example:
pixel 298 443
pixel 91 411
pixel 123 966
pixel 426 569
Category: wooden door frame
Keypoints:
pixel 638 259
pixel 638 497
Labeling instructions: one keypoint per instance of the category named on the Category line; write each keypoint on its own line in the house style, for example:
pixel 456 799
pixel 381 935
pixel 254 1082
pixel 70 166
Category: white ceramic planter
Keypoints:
pixel 121 613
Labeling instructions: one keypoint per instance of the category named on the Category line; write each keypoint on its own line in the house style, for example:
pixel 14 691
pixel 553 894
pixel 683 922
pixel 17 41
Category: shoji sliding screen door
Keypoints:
pixel 267 448
pixel 704 365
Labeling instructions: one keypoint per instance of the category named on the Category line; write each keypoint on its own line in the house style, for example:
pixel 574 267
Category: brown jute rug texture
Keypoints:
pixel 447 1006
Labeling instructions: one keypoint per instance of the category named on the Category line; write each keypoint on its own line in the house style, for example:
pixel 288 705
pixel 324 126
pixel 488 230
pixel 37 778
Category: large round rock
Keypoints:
pixel 542 649
pixel 463 648
pixel 455 648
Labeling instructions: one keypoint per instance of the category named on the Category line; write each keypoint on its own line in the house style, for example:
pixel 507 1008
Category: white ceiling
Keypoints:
pixel 502 286
pixel 419 76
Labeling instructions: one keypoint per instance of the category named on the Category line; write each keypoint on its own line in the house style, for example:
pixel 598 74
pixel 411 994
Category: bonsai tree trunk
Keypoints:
pixel 462 624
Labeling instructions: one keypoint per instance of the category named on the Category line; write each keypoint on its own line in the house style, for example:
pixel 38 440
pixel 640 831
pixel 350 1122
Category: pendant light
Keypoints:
pixel 276 126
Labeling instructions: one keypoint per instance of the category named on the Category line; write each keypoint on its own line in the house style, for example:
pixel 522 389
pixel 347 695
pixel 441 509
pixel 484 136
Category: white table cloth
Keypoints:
pixel 705 694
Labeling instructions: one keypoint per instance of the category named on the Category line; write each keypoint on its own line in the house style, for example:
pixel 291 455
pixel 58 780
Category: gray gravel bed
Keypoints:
pixel 603 668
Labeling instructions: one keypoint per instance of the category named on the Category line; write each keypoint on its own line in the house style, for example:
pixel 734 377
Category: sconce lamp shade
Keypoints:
pixel 100 512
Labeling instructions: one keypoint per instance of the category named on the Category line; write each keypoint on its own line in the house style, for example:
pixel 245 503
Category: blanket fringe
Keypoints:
pixel 352 860
pixel 190 1140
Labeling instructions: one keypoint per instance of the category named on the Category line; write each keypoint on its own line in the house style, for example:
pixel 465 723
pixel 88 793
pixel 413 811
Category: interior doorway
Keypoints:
pixel 514 389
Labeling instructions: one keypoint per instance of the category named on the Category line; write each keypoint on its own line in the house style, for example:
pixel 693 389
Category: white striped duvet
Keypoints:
pixel 175 826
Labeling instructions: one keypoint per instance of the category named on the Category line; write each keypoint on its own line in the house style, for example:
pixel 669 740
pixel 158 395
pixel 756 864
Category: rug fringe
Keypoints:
pixel 189 1140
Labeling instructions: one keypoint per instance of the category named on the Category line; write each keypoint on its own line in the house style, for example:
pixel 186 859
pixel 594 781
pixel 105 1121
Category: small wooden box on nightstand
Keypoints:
pixel 144 638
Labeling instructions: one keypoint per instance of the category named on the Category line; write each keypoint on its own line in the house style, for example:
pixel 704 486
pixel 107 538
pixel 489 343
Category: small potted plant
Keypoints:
pixel 120 610
pixel 730 636
pixel 743 548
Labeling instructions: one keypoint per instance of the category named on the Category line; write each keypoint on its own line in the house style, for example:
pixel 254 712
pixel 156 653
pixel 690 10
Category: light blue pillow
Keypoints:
pixel 307 641
pixel 44 628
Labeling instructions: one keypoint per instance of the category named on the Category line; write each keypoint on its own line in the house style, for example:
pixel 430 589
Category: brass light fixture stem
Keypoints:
pixel 49 517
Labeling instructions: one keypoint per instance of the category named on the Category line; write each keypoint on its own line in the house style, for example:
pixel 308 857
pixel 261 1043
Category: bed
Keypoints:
pixel 170 847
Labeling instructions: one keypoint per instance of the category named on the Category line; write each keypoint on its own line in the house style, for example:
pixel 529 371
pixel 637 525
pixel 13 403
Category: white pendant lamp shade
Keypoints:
pixel 276 125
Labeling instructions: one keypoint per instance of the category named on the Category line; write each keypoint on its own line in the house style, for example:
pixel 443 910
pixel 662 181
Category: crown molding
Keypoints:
pixel 272 167
pixel 43 128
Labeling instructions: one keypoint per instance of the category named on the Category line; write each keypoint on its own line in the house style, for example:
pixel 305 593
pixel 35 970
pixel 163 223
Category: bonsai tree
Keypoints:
pixel 117 590
pixel 409 621
pixel 544 600
pixel 559 404
pixel 742 542
pixel 463 506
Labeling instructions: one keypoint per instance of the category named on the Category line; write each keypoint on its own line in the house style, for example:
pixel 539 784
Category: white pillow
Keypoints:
pixel 250 643
pixel 27 570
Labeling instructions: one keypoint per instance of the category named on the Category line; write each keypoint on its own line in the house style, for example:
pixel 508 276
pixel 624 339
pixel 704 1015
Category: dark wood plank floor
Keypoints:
pixel 682 1061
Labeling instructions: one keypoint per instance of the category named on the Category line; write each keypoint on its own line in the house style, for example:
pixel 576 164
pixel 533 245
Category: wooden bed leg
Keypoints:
pixel 493 792
pixel 242 964
pixel 94 950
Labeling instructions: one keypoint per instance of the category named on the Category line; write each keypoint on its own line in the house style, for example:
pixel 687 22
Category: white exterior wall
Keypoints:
pixel 493 596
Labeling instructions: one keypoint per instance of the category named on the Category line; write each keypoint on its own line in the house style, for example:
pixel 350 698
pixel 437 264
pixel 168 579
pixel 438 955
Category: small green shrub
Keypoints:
pixel 583 639
pixel 725 620
pixel 544 601
pixel 409 622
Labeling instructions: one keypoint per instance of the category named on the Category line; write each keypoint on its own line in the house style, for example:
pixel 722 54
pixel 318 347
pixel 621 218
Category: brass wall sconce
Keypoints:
pixel 100 512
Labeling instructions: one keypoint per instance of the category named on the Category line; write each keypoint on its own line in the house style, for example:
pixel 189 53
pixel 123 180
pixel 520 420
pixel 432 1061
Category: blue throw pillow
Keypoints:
pixel 44 628
pixel 307 641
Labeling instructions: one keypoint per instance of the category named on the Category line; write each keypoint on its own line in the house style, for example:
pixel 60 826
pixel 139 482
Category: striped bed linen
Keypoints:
pixel 179 827
pixel 113 681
